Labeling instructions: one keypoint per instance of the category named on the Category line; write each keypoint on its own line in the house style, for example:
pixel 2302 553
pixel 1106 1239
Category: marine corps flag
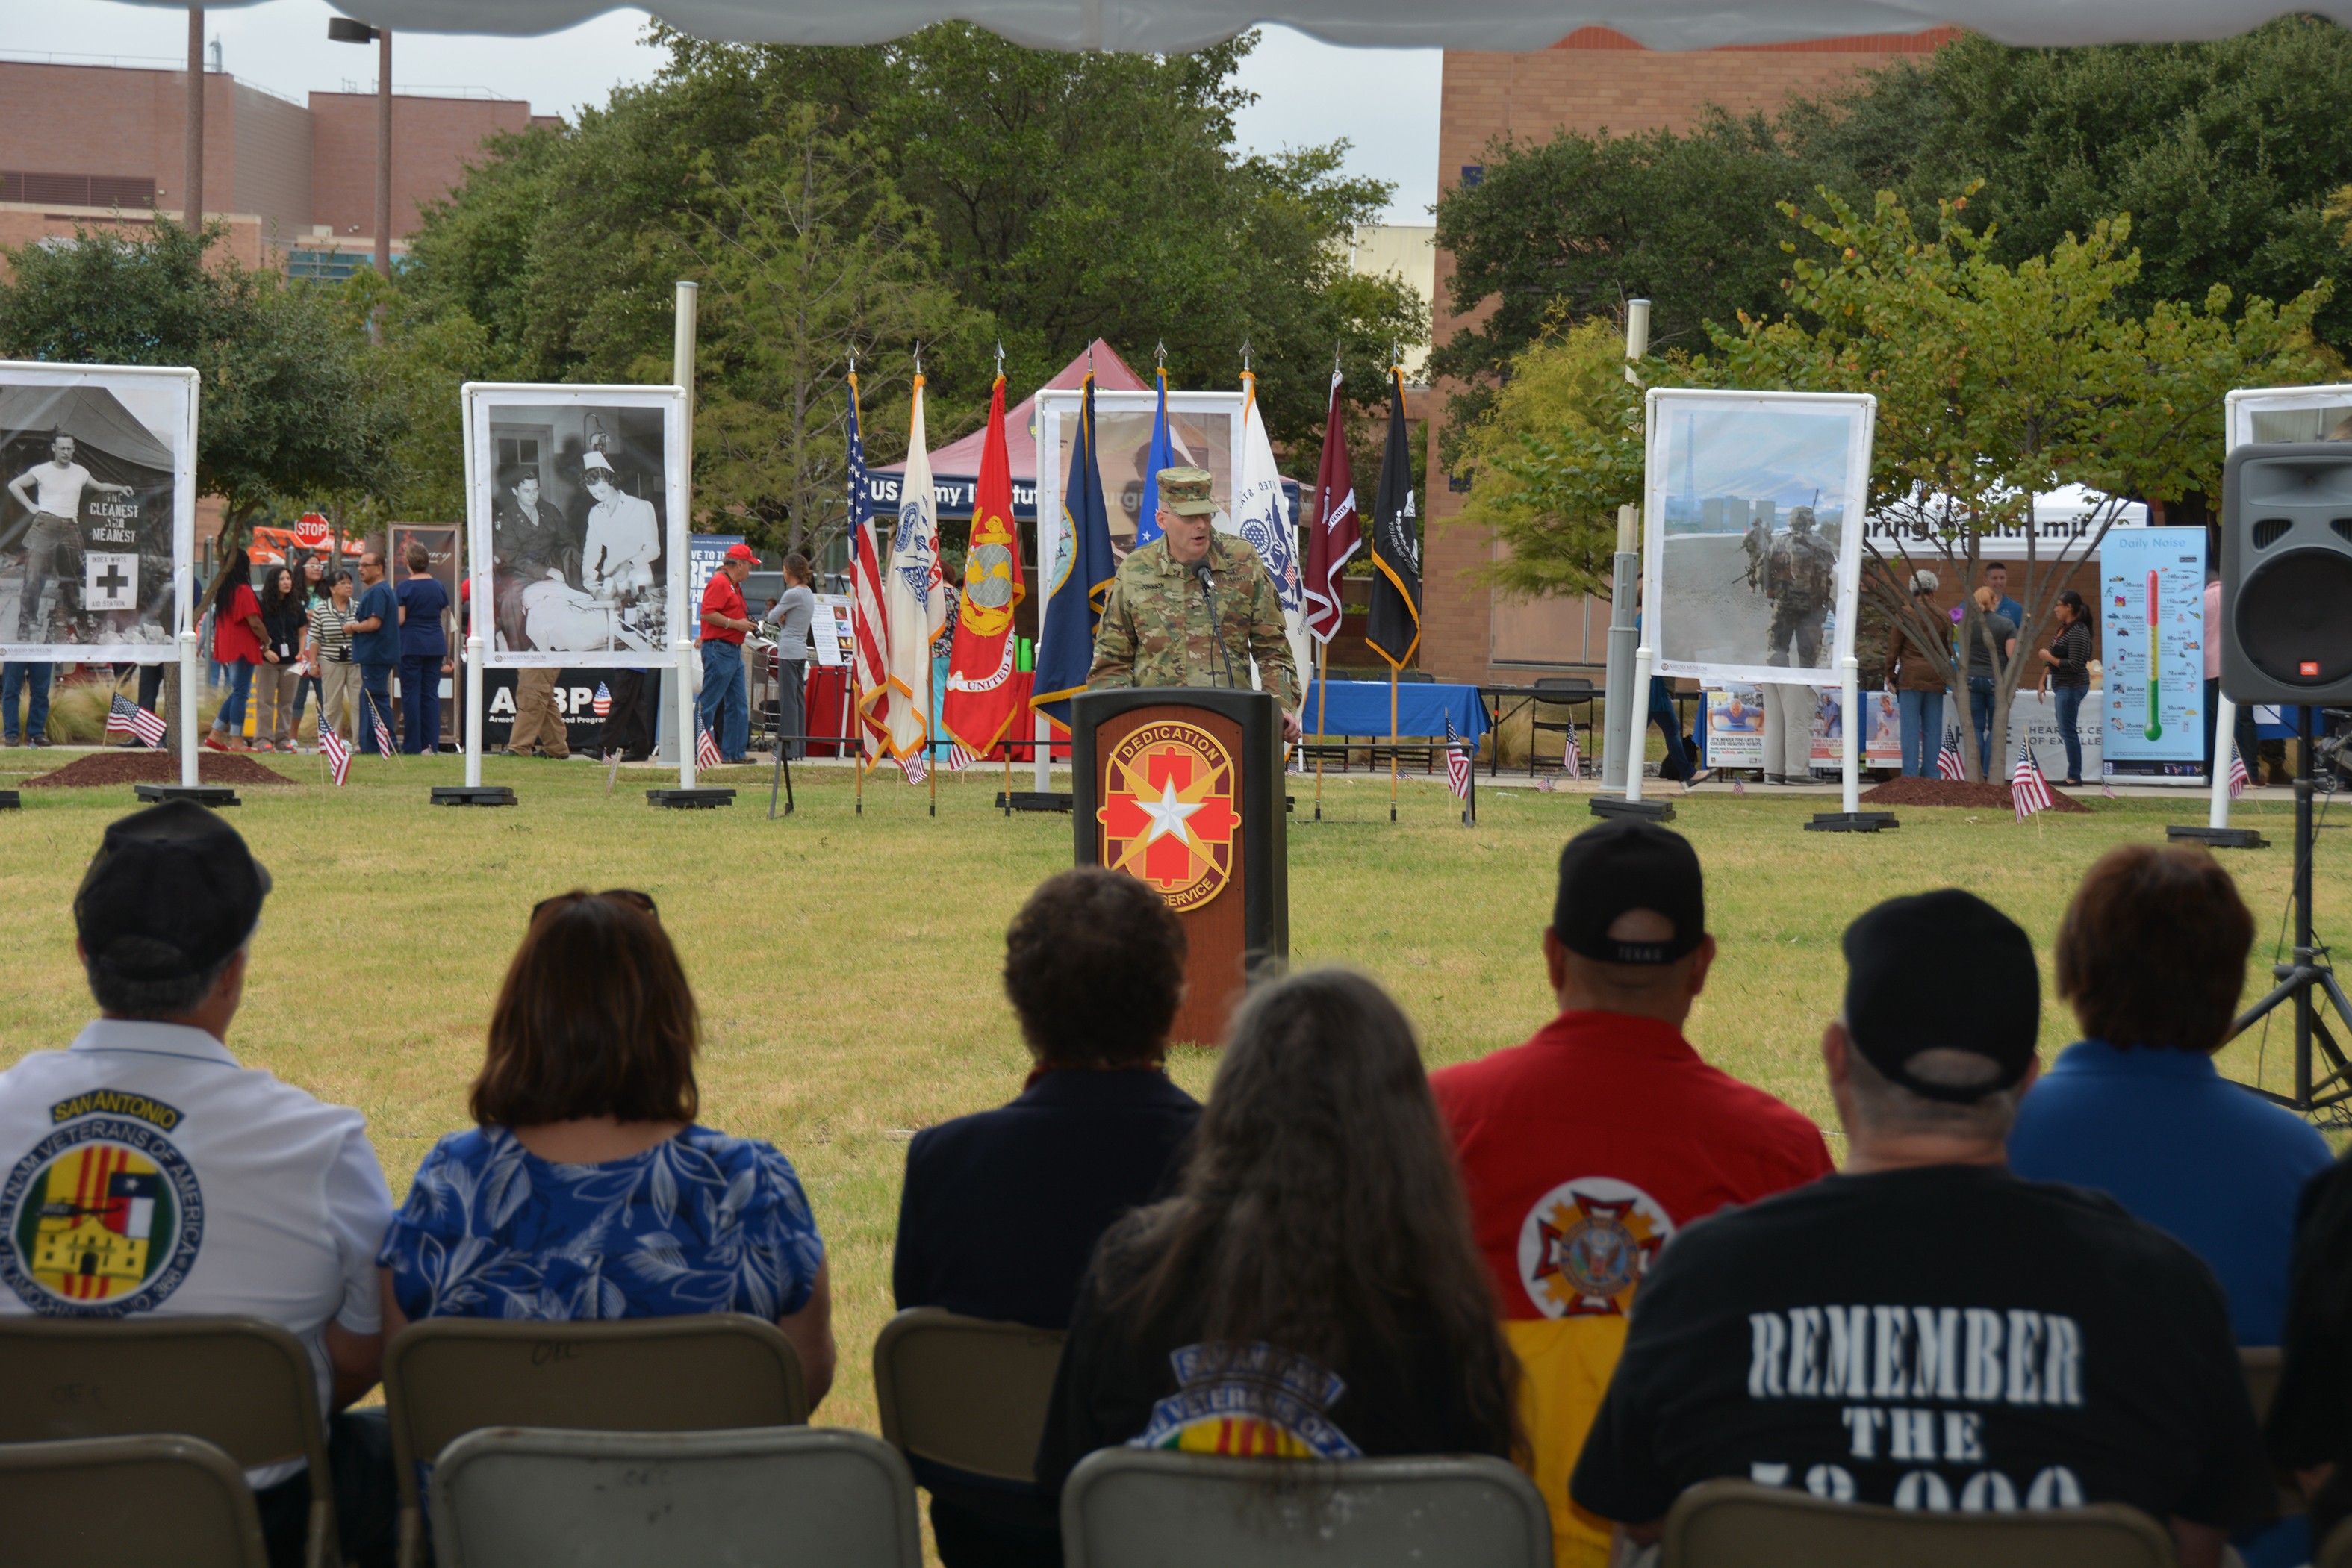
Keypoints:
pixel 979 706
pixel 1082 574
pixel 914 604
pixel 1395 629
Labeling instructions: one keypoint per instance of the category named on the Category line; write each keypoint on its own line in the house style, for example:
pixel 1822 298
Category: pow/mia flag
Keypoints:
pixel 1395 629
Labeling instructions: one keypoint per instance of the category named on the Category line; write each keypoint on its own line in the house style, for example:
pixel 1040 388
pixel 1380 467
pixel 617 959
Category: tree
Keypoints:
pixel 1071 195
pixel 813 261
pixel 285 405
pixel 1571 228
pixel 1996 384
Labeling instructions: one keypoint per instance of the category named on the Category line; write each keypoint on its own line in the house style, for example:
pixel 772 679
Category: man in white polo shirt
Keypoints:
pixel 142 1170
pixel 52 492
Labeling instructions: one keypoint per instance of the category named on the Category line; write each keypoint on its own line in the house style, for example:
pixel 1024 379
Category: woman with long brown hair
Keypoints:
pixel 1312 1290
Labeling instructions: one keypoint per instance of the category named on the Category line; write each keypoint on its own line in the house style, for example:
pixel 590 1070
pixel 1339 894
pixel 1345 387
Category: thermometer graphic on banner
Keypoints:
pixel 2155 731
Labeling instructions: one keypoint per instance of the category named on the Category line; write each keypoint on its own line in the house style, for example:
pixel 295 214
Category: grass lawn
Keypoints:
pixel 847 967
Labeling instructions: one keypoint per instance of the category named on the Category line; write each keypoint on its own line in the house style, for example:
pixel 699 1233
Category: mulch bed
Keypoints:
pixel 101 769
pixel 1957 791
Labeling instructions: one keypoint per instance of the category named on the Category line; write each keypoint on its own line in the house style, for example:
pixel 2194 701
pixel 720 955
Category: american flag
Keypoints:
pixel 2029 791
pixel 911 764
pixel 338 754
pixel 1739 786
pixel 960 757
pixel 1457 761
pixel 383 734
pixel 1948 760
pixel 705 750
pixel 603 705
pixel 1544 784
pixel 870 670
pixel 127 717
pixel 2238 777
pixel 1573 761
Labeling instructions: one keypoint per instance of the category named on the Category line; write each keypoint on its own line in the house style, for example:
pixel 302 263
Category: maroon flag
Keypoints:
pixel 1332 532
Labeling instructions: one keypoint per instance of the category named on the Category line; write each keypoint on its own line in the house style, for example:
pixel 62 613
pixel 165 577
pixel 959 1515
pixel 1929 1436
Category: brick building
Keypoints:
pixel 1592 80
pixel 89 143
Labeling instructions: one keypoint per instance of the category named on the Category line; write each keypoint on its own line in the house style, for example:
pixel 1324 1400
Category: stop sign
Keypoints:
pixel 311 532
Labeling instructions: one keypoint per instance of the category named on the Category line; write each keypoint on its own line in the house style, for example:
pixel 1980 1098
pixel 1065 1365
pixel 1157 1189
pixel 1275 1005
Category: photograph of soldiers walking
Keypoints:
pixel 1755 519
pixel 86 515
pixel 573 533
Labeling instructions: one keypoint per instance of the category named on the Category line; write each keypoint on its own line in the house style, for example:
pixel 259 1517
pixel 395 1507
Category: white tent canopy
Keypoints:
pixel 1172 26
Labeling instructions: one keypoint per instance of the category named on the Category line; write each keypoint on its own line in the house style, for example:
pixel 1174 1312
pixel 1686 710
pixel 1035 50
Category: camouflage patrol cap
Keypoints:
pixel 1185 492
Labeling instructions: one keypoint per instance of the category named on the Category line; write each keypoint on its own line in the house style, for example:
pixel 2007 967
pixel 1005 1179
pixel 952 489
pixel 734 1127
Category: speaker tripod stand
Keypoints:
pixel 2310 980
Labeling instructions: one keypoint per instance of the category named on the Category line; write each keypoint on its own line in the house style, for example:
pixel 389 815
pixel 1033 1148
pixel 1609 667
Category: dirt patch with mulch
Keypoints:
pixel 1957 791
pixel 101 769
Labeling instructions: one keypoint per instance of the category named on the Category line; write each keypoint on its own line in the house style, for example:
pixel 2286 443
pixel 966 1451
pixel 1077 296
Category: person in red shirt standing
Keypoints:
pixel 1586 1149
pixel 726 700
pixel 238 641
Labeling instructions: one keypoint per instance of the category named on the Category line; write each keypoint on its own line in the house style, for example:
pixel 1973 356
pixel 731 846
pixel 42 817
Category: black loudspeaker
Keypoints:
pixel 2286 573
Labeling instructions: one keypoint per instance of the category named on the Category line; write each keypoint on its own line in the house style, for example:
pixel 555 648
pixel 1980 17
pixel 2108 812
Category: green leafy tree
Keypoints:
pixel 1996 384
pixel 285 405
pixel 812 262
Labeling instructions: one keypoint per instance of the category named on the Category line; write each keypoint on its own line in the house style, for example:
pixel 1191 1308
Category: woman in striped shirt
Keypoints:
pixel 2065 670
pixel 327 650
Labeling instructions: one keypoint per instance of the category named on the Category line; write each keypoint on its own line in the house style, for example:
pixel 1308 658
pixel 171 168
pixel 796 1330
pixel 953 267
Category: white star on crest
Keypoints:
pixel 1167 814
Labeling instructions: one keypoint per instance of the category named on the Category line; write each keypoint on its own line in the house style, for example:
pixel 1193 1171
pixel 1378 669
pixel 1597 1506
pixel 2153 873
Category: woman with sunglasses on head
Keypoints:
pixel 587 1190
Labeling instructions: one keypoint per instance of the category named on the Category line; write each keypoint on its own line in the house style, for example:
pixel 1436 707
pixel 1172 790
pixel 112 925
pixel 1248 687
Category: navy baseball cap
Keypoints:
pixel 172 892
pixel 1619 866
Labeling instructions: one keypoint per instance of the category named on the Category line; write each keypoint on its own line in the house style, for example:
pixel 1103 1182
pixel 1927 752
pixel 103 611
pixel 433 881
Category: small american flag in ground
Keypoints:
pixel 1544 784
pixel 959 758
pixel 2107 789
pixel 1739 786
pixel 705 751
pixel 338 754
pixel 2238 777
pixel 1948 762
pixel 127 717
pixel 1458 761
pixel 1572 761
pixel 2029 791
pixel 602 706
pixel 382 736
pixel 911 764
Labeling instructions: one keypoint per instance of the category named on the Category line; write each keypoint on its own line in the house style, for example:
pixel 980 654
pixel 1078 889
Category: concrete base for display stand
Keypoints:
pixel 202 794
pixel 11 801
pixel 689 799
pixel 1618 805
pixel 1852 822
pixel 2218 837
pixel 472 794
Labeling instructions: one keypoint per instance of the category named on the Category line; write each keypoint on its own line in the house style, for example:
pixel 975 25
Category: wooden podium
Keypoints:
pixel 1181 788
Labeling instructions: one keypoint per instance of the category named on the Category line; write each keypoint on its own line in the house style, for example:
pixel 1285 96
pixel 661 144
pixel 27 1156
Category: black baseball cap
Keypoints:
pixel 1895 1009
pixel 172 892
pixel 1626 864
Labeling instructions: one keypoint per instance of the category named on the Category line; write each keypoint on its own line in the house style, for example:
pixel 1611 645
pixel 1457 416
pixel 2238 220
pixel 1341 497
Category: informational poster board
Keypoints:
pixel 1735 726
pixel 2152 624
pixel 98 507
pixel 831 639
pixel 2034 715
pixel 575 703
pixel 576 510
pixel 1754 518
pixel 705 554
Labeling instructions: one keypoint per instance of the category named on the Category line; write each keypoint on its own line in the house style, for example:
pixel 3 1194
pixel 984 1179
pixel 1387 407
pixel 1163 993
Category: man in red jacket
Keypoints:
pixel 1584 1150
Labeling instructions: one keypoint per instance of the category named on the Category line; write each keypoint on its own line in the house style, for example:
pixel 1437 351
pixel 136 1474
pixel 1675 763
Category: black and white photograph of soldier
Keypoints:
pixel 87 514
pixel 575 532
pixel 1754 513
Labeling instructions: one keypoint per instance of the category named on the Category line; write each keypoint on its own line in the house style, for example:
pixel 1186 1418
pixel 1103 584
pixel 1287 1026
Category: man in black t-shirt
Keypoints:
pixel 1926 1329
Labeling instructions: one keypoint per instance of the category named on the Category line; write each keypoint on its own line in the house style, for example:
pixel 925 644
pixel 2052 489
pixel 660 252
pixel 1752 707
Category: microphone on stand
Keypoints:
pixel 1209 594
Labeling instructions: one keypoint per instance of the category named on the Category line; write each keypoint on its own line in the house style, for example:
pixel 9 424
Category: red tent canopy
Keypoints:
pixel 955 467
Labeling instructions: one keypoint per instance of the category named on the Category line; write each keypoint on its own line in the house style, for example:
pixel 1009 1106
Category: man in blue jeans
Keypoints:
pixel 726 703
pixel 15 675
pixel 375 645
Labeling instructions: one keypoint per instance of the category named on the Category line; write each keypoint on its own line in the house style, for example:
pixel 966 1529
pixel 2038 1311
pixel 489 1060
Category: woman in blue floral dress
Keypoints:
pixel 587 1190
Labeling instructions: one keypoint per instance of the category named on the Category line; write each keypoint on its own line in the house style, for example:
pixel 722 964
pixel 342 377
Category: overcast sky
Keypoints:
pixel 1383 101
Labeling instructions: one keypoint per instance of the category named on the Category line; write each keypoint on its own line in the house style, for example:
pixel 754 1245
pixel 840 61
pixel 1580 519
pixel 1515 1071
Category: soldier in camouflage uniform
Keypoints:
pixel 1155 628
pixel 1800 581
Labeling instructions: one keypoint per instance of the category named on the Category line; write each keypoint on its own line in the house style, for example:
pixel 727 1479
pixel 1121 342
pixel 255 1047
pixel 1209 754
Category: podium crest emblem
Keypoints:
pixel 1167 815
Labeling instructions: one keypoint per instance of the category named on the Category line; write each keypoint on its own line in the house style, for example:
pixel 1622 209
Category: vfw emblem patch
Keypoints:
pixel 1167 815
pixel 1586 1243
pixel 103 1218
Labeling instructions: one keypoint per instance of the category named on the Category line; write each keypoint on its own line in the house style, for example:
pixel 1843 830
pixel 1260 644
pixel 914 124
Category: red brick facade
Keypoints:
pixel 1593 81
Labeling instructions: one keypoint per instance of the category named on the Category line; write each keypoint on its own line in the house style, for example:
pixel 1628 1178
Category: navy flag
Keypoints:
pixel 1395 625
pixel 1082 574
